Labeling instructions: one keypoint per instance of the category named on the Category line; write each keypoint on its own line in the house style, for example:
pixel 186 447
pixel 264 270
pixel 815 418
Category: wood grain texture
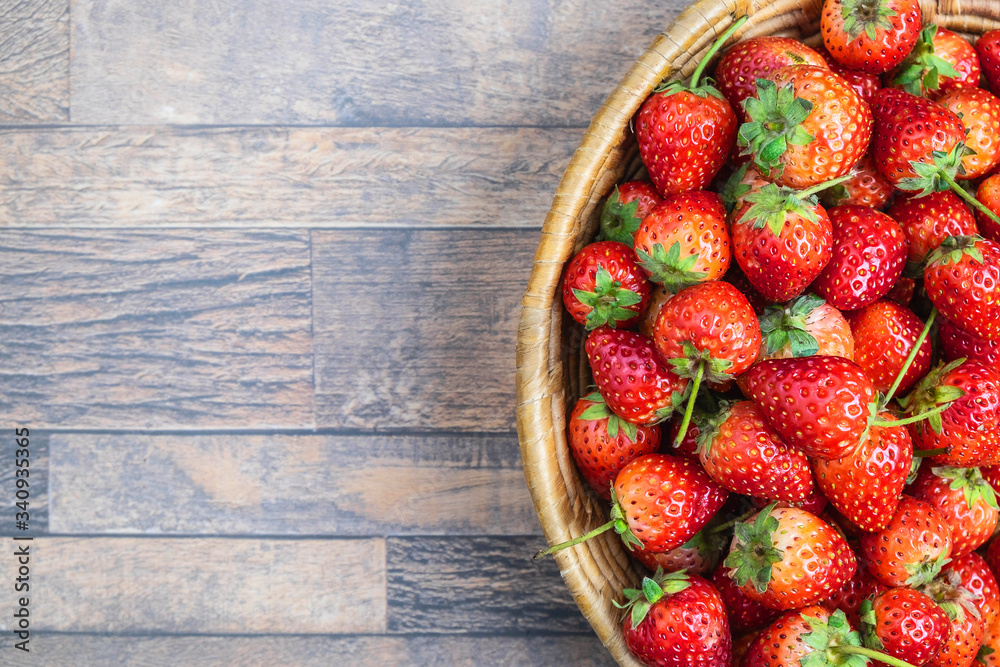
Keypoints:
pixel 476 584
pixel 430 343
pixel 432 62
pixel 37 477
pixel 205 585
pixel 103 329
pixel 268 177
pixel 34 61
pixel 359 651
pixel 275 485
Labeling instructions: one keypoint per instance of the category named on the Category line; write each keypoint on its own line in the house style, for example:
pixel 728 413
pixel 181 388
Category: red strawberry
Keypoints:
pixel 980 115
pixel 744 613
pixel 870 35
pixel 676 620
pixel 786 558
pixel 866 187
pixel 624 210
pixel 602 443
pixel 989 652
pixel 912 549
pixel 886 334
pixel 902 291
pixel 927 221
pixel 941 61
pixel 636 382
pixel 810 636
pixel 748 60
pixel 958 344
pixel 815 502
pixel 805 126
pixel 745 455
pixel 966 632
pixel 962 279
pixel 604 285
pixel 865 84
pixel 850 597
pixel 964 499
pixel 975 576
pixel 988 195
pixel 869 254
pixel 865 484
pixel 988 48
pixel 803 327
pixel 684 240
pixel 905 624
pixel 819 404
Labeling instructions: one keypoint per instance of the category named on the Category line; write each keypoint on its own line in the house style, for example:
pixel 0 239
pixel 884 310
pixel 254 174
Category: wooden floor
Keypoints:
pixel 261 265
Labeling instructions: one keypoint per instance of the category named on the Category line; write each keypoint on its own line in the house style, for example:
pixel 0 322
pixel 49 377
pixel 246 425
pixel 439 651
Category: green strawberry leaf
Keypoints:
pixel 865 16
pixel 665 267
pixel 933 176
pixel 922 69
pixel 953 249
pixel 785 324
pixel 654 589
pixel 609 301
pixel 970 481
pixel 734 188
pixel 753 552
pixel 688 366
pixel 619 222
pixel 774 123
pixel 708 425
pixel 824 637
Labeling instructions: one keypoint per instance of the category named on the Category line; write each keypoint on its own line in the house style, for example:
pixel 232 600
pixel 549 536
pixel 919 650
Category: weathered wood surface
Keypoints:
pixel 155 329
pixel 416 328
pixel 34 61
pixel 436 62
pixel 37 478
pixel 288 485
pixel 281 177
pixel 81 650
pixel 204 585
pixel 476 584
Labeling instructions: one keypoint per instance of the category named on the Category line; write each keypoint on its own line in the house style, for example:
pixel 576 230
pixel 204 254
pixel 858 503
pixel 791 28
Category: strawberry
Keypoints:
pixel 755 58
pixel 849 598
pixel 989 652
pixel 975 576
pixel 958 344
pixel 962 279
pixel 604 285
pixel 966 632
pixel 865 187
pixel 965 500
pixel 815 502
pixel 685 132
pixel 676 620
pixel 912 549
pixel 602 443
pixel 743 454
pixel 869 254
pixel 979 112
pixel 699 555
pixel 803 327
pixel 805 126
pixel 744 613
pixel 657 297
pixel 927 221
pixel 988 49
pixel 786 558
pixel 988 194
pixel 902 291
pixel 865 84
pixel 636 382
pixel 886 333
pixel 624 210
pixel 865 484
pixel 870 35
pixel 904 623
pixel 941 61
pixel 819 404
pixel 684 240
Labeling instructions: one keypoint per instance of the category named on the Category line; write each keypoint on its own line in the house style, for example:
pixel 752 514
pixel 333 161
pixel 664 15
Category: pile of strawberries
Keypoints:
pixel 794 333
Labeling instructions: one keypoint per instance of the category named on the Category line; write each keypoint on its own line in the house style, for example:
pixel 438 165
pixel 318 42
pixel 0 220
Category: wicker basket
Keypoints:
pixel 550 367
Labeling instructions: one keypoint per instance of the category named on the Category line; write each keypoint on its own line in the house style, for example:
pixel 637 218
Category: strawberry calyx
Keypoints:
pixel 866 16
pixel 970 481
pixel 775 123
pixel 925 572
pixel 619 222
pixel 640 601
pixel 672 87
pixel 600 410
pixel 948 593
pixel 785 324
pixel 930 394
pixel 753 552
pixel 869 621
pixel 698 365
pixel 709 423
pixel 954 248
pixel 834 643
pixel 734 188
pixel 608 301
pixel 922 69
pixel 939 174
pixel 665 267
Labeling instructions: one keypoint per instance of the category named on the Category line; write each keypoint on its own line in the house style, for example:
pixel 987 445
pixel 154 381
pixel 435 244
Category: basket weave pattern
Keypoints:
pixel 551 372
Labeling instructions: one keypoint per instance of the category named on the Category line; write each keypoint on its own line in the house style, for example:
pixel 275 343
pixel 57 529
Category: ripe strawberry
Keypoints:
pixel 604 285
pixel 912 549
pixel 786 558
pixel 886 333
pixel 962 279
pixel 803 327
pixel 743 454
pixel 902 291
pixel 744 613
pixel 966 632
pixel 865 84
pixel 746 61
pixel 988 195
pixel 819 404
pixel 806 126
pixel 975 576
pixel 965 500
pixel 958 344
pixel 624 210
pixel 810 636
pixel 870 35
pixel 866 187
pixel 941 61
pixel 684 240
pixel 862 586
pixel 602 443
pixel 685 133
pixel 869 253
pixel 980 115
pixel 927 221
pixel 989 652
pixel 815 502
pixel 782 239
pixel 988 49
pixel 865 484
pixel 904 623
pixel 636 382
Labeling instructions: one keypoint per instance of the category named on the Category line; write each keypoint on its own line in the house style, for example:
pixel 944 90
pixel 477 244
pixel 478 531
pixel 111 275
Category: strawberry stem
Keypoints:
pixel 715 49
pixel 695 385
pixel 576 540
pixel 868 653
pixel 819 187
pixel 975 203
pixel 729 524
pixel 909 360
pixel 912 419
pixel 924 453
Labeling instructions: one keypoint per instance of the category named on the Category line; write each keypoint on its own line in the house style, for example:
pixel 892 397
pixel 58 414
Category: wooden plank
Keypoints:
pixel 281 177
pixel 359 651
pixel 155 329
pixel 511 62
pixel 416 328
pixel 37 478
pixel 289 485
pixel 34 61
pixel 476 584
pixel 205 585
